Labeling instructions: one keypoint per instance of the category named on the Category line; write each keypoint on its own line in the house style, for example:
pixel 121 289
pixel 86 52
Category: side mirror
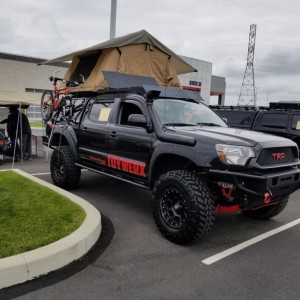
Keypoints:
pixel 139 120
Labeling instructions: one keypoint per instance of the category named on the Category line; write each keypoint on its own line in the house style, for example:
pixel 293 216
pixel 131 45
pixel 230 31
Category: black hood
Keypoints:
pixel 230 136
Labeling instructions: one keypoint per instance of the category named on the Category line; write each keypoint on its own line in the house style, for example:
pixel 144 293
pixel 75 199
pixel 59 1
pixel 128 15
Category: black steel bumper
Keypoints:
pixel 254 187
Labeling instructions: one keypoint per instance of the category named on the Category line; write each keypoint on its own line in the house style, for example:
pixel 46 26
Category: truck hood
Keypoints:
pixel 226 135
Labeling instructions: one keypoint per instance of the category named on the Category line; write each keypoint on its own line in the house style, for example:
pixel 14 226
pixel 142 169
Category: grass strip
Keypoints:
pixel 36 124
pixel 32 216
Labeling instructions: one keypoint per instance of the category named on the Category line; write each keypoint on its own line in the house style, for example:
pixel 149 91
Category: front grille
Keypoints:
pixel 277 156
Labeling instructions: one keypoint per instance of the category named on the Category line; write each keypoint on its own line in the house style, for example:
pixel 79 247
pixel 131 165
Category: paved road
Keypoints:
pixel 133 261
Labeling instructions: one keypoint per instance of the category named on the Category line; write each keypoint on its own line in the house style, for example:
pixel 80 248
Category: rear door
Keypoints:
pixel 93 133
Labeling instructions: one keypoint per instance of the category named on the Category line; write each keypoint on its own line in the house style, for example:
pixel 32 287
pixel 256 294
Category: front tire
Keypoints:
pixel 183 208
pixel 64 172
pixel 268 212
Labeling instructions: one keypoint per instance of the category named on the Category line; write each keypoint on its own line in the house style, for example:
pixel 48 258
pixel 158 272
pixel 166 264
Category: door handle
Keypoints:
pixel 84 129
pixel 113 134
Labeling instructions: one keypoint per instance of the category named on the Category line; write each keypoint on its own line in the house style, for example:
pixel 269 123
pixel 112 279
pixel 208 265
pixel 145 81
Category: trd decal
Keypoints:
pixel 278 156
pixel 126 165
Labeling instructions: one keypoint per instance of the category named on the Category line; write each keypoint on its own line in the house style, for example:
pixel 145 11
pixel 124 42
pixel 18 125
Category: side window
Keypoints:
pixel 100 112
pixel 127 109
pixel 296 122
pixel 275 120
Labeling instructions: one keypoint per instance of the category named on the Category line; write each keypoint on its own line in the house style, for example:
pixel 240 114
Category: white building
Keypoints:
pixel 203 81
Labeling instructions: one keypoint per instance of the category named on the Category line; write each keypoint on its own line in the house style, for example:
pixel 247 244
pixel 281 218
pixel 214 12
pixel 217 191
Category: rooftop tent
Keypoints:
pixel 137 53
pixel 19 98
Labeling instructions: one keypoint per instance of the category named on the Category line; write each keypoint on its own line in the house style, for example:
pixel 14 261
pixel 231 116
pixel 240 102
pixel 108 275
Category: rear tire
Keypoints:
pixel 64 172
pixel 183 208
pixel 268 212
pixel 47 106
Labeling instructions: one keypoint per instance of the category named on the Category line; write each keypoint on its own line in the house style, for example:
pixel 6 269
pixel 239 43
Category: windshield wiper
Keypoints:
pixel 208 124
pixel 178 124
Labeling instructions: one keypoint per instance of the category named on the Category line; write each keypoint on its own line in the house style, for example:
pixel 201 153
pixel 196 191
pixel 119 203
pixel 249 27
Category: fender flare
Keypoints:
pixel 66 134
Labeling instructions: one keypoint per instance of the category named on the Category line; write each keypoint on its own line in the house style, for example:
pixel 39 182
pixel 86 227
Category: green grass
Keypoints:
pixel 38 124
pixel 32 216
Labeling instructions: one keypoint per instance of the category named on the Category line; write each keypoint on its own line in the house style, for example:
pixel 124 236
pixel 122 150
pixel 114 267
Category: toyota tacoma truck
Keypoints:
pixel 169 141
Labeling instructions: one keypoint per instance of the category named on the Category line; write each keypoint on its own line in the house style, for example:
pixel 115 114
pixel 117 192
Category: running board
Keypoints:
pixel 113 176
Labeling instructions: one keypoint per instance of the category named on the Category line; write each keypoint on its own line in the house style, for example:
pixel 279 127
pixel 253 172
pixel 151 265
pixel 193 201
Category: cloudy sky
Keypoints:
pixel 212 30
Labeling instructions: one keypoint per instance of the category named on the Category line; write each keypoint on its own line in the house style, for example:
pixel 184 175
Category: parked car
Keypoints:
pixel 279 118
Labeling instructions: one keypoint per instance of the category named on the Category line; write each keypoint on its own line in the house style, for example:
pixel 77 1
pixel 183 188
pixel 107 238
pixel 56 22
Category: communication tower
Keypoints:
pixel 248 93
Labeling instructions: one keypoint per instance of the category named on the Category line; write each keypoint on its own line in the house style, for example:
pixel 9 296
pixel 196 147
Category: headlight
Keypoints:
pixel 234 155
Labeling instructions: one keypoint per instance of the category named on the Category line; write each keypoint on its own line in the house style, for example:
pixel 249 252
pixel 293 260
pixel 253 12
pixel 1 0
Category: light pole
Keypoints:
pixel 113 15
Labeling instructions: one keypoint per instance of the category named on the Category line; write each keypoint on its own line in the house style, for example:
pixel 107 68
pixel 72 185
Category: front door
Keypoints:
pixel 130 145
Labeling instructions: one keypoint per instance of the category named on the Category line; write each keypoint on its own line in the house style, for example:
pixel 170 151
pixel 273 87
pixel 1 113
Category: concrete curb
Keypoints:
pixel 29 265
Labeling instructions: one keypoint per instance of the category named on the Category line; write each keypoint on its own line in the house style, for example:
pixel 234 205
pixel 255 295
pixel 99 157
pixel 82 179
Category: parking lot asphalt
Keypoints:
pixel 133 261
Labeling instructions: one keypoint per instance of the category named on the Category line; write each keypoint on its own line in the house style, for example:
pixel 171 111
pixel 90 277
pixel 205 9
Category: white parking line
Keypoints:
pixel 223 254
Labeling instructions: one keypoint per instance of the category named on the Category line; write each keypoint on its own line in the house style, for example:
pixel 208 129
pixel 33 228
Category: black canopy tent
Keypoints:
pixel 20 100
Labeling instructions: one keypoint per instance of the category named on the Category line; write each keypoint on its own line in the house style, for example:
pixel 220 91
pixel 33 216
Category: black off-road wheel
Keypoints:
pixel 267 212
pixel 183 208
pixel 64 172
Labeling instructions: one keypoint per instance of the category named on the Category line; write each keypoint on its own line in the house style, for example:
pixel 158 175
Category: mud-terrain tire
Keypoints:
pixel 183 209
pixel 268 212
pixel 64 172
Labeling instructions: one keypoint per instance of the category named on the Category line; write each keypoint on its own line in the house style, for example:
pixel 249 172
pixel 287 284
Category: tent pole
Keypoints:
pixel 16 139
pixel 21 135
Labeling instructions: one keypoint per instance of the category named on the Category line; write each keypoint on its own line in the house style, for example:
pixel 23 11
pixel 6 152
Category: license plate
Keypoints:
pixel 1 156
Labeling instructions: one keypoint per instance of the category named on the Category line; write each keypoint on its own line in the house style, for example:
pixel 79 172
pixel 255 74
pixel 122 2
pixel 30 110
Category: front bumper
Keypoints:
pixel 252 188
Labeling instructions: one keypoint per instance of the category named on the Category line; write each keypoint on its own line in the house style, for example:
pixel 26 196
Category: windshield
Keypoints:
pixel 182 113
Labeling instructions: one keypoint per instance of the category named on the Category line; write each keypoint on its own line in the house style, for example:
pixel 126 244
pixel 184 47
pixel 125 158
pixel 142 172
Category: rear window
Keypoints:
pixel 100 112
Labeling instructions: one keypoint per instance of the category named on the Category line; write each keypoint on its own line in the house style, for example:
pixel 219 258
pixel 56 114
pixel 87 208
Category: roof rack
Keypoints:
pixel 284 105
pixel 233 107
